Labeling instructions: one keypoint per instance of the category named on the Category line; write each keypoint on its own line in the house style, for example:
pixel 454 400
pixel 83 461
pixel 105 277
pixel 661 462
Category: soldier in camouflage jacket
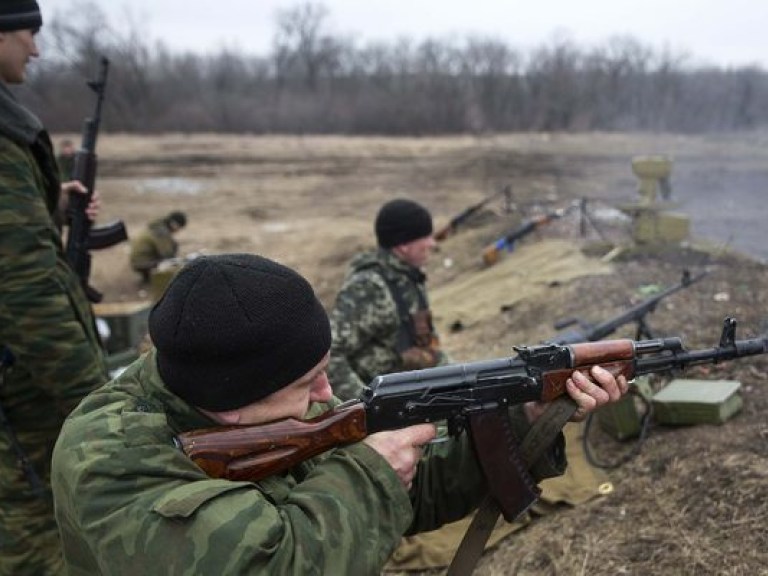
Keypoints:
pixel 45 320
pixel 240 339
pixel 381 320
pixel 156 243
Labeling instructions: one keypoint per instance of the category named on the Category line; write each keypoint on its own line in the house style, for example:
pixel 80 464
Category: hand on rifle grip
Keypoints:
pixel 402 448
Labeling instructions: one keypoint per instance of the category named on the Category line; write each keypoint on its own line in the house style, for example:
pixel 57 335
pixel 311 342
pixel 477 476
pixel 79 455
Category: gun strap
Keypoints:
pixel 406 334
pixel 539 438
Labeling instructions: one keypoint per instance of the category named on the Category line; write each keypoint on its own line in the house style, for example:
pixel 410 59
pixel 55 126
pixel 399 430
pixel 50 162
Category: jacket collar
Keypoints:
pixel 17 122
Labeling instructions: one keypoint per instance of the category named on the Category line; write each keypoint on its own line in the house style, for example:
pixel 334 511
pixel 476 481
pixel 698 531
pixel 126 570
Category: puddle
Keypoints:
pixel 274 227
pixel 169 186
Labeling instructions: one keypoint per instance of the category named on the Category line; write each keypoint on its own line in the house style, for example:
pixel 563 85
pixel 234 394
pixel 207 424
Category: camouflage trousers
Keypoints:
pixel 29 538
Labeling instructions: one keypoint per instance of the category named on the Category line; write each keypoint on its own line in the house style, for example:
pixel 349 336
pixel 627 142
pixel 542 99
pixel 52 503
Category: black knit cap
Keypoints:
pixel 401 221
pixel 19 15
pixel 232 329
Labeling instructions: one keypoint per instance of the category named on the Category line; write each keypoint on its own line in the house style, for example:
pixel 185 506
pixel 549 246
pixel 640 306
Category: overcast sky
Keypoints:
pixel 723 32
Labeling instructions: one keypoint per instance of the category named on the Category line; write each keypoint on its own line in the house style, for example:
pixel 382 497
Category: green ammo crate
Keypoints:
pixel 697 402
pixel 622 420
pixel 127 323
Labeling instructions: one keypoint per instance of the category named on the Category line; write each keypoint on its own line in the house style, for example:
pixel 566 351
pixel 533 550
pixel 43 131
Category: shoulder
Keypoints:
pixel 12 152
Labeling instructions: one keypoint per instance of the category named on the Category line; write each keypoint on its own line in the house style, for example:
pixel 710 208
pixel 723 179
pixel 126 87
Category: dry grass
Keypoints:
pixel 695 500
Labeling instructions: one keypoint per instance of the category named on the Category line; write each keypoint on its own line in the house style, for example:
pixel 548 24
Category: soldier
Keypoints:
pixel 242 340
pixel 46 325
pixel 381 323
pixel 65 159
pixel 156 243
pixel 381 320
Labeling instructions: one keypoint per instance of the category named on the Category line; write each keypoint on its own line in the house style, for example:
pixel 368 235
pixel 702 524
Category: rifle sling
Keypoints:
pixel 406 334
pixel 539 438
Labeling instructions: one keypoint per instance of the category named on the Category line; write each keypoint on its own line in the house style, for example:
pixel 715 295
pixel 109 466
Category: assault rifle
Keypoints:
pixel 590 332
pixel 450 228
pixel 473 396
pixel 492 252
pixel 82 237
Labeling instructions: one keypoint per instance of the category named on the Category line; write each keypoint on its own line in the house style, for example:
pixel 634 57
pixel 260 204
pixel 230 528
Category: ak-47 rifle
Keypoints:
pixel 450 228
pixel 637 313
pixel 492 252
pixel 473 396
pixel 82 237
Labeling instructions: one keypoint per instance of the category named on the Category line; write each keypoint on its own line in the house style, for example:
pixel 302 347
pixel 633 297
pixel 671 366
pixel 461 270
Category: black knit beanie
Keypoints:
pixel 19 15
pixel 401 221
pixel 232 329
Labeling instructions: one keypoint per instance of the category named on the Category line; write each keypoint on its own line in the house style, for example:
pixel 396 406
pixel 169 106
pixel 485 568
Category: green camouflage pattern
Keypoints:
pixel 128 501
pixel 46 322
pixel 153 245
pixel 365 321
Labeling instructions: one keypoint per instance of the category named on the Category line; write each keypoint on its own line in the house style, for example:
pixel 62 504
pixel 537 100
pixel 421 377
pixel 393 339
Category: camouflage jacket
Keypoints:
pixel 129 502
pixel 366 322
pixel 45 319
pixel 156 243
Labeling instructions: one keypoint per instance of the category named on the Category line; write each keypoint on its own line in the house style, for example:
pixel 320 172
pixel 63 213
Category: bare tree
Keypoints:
pixel 314 81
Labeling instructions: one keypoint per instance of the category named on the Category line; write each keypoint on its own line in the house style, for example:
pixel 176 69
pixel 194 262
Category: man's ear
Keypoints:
pixel 230 416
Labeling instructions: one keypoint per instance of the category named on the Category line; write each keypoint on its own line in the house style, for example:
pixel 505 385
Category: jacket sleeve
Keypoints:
pixel 152 511
pixel 363 314
pixel 44 318
pixel 165 245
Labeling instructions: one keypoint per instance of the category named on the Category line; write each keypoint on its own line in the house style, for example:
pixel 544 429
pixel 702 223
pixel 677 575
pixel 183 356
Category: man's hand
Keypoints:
pixel 417 358
pixel 94 206
pixel 588 393
pixel 402 448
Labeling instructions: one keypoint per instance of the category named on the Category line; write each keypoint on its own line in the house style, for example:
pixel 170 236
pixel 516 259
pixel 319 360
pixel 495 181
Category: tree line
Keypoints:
pixel 312 81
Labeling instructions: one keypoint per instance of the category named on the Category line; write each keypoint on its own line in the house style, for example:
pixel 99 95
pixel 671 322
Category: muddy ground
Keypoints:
pixel 695 500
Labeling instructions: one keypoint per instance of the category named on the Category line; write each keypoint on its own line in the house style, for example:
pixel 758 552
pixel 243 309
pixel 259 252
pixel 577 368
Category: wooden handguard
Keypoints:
pixel 616 356
pixel 256 452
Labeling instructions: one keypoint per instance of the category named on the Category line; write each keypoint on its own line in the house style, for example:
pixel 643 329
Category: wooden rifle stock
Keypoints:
pixel 255 452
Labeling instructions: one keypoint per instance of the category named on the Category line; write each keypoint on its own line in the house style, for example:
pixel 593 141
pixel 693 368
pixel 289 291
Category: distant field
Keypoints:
pixel 310 200
pixel 695 501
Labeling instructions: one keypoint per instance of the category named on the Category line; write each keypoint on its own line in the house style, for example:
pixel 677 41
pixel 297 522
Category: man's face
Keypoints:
pixel 16 49
pixel 416 252
pixel 290 402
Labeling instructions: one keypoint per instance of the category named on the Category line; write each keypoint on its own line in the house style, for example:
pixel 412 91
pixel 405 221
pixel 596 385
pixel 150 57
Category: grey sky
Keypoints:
pixel 723 32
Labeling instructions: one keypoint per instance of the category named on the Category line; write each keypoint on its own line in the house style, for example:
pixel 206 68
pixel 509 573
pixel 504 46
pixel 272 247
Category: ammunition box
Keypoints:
pixel 665 227
pixel 697 402
pixel 622 420
pixel 127 323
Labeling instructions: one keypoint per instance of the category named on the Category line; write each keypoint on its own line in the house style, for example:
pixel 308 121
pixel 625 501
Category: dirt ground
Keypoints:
pixel 695 500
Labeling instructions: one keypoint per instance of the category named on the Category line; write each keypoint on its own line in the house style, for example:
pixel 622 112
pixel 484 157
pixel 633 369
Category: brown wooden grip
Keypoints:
pixel 443 233
pixel 255 452
pixel 616 356
pixel 590 353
